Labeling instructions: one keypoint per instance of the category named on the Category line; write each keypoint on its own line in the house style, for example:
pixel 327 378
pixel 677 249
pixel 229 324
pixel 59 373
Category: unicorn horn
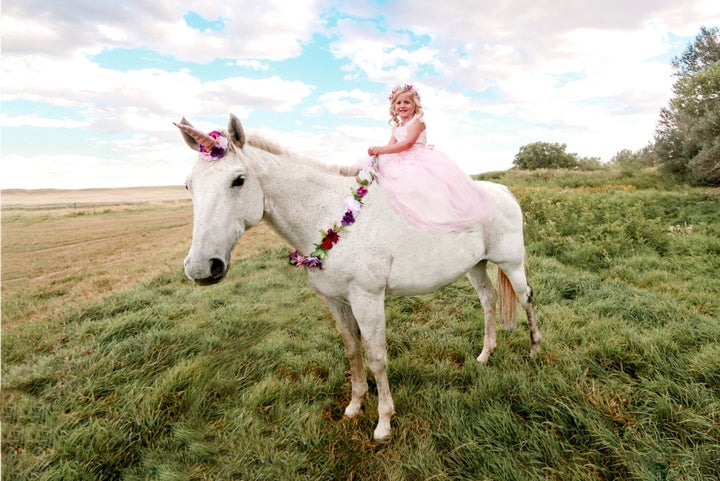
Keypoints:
pixel 203 139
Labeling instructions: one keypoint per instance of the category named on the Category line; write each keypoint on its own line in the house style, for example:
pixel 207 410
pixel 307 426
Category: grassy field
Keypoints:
pixel 115 367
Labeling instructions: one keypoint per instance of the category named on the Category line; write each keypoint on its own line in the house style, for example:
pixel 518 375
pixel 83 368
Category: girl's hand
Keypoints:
pixel 376 150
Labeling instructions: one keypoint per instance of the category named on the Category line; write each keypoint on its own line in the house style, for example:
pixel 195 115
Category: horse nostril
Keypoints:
pixel 217 268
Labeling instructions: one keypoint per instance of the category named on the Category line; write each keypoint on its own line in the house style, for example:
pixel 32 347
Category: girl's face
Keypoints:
pixel 404 106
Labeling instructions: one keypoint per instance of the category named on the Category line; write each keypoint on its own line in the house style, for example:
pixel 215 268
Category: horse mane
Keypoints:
pixel 269 146
pixel 262 143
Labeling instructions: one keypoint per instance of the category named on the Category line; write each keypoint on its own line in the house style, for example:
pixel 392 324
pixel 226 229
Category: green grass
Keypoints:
pixel 248 379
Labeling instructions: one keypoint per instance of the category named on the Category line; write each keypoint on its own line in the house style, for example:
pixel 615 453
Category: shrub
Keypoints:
pixel 544 155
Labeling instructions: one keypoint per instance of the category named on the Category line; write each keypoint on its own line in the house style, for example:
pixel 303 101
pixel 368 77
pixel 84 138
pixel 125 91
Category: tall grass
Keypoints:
pixel 248 379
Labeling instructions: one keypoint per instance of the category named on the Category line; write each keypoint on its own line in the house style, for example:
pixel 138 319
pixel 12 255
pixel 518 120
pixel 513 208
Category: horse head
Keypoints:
pixel 226 195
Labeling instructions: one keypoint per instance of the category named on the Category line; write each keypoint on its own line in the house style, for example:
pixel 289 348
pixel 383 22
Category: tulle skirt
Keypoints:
pixel 427 188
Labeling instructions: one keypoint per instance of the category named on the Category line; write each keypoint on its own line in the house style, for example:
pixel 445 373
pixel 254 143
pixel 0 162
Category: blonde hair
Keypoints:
pixel 396 92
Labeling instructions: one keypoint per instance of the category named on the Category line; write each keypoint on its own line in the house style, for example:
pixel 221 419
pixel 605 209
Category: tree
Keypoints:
pixel 544 155
pixel 687 140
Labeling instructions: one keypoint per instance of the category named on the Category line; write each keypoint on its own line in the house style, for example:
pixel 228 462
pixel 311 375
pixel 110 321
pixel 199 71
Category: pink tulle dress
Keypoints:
pixel 427 188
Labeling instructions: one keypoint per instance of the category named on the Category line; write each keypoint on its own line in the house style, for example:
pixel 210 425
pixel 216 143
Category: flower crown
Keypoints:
pixel 400 88
pixel 218 151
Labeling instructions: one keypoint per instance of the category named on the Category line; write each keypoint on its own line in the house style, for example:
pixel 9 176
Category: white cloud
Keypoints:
pixel 33 120
pixel 381 56
pixel 494 75
pixel 273 29
pixel 160 164
pixel 585 74
pixel 349 104
pixel 117 101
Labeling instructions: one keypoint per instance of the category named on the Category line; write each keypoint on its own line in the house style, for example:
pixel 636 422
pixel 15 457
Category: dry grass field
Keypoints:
pixel 68 247
pixel 54 198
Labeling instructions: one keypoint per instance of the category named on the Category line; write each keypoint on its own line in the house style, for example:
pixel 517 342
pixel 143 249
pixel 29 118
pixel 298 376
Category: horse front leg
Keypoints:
pixel 369 311
pixel 348 328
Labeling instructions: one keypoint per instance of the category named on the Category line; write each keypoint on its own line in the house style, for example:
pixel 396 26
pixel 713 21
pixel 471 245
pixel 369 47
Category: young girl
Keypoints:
pixel 422 184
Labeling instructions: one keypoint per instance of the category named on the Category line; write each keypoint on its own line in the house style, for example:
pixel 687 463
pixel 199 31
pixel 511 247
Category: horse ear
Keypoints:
pixel 189 139
pixel 236 131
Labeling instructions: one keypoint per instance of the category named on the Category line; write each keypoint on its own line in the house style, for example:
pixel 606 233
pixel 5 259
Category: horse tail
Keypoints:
pixel 508 302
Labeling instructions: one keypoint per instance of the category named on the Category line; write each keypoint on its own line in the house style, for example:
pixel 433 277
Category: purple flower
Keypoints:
pixel 217 152
pixel 348 218
pixel 362 191
pixel 312 262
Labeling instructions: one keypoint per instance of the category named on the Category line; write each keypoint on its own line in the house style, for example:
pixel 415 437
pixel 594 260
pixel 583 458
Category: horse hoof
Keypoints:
pixel 352 410
pixel 381 434
pixel 483 357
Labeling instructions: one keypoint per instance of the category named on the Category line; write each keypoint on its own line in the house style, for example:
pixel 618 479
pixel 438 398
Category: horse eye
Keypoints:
pixel 238 181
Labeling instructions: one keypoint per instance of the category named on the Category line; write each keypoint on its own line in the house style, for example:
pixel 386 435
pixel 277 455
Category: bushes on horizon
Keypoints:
pixel 629 162
pixel 546 155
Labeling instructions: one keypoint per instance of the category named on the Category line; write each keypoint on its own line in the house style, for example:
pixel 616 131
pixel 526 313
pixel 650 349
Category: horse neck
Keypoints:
pixel 300 199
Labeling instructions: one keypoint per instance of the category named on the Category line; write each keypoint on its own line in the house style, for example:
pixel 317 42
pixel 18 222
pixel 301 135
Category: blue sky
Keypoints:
pixel 90 89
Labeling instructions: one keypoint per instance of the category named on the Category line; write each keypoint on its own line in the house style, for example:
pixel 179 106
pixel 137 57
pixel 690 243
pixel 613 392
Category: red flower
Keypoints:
pixel 329 240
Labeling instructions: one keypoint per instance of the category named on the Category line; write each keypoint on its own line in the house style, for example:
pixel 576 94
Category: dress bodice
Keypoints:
pixel 400 132
pixel 427 188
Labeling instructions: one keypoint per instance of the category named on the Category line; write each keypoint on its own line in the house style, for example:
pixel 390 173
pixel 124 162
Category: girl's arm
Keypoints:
pixel 393 146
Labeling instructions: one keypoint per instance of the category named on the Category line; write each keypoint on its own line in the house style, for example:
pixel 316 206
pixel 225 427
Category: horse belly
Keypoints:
pixel 419 285
pixel 427 268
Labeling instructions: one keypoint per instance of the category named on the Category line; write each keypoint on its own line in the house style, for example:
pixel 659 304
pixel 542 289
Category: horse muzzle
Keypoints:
pixel 207 272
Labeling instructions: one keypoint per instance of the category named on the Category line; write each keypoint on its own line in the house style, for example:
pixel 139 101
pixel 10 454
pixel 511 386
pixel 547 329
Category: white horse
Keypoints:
pixel 379 254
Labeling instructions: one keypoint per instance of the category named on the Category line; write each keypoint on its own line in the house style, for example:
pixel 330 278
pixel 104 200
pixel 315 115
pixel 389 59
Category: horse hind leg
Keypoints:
pixel 479 279
pixel 514 286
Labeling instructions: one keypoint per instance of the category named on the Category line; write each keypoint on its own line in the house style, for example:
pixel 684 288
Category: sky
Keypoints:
pixel 90 89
